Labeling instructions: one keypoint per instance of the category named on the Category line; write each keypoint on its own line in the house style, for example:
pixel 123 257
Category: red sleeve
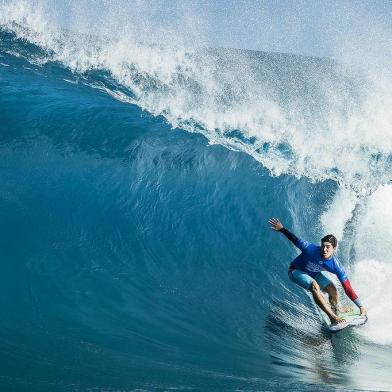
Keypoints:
pixel 349 290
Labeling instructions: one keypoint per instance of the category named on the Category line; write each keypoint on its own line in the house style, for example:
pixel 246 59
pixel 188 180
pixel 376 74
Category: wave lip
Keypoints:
pixel 296 115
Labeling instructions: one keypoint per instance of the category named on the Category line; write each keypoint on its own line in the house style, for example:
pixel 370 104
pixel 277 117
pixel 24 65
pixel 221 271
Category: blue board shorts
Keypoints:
pixel 304 280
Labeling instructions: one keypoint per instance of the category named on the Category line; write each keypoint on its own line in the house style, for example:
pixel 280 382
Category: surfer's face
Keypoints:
pixel 327 250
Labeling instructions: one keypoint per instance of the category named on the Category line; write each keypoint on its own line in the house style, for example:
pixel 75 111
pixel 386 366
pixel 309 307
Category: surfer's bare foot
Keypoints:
pixel 337 320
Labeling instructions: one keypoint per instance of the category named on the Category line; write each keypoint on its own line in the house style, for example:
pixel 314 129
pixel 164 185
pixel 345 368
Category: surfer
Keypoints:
pixel 306 271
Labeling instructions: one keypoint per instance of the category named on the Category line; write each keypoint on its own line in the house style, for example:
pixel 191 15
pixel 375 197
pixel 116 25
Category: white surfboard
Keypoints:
pixel 352 319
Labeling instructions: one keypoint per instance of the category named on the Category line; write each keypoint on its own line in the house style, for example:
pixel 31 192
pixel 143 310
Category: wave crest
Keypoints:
pixel 296 115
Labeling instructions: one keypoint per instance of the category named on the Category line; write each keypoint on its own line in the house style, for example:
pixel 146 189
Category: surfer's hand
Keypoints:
pixel 275 224
pixel 363 311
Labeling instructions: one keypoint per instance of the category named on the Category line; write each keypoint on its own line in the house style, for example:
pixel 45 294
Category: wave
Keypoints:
pixel 301 116
pixel 136 255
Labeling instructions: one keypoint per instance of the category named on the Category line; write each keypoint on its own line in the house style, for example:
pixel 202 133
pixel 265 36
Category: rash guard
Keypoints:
pixel 311 262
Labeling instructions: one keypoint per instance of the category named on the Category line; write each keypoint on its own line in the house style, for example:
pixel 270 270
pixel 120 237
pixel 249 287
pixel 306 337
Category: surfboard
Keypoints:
pixel 352 318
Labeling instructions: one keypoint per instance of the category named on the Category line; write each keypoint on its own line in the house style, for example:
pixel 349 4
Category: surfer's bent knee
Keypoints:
pixel 314 287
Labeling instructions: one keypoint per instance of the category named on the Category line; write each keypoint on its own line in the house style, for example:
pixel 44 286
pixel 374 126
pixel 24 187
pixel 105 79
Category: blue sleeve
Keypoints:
pixel 338 269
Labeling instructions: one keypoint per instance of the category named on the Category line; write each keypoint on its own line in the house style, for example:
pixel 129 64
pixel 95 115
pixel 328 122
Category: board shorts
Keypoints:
pixel 304 280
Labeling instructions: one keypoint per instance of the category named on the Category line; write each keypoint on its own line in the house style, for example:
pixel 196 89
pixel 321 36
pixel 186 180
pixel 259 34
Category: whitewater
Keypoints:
pixel 138 174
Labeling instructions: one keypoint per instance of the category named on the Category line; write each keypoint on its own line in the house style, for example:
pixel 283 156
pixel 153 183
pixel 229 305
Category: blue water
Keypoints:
pixel 136 255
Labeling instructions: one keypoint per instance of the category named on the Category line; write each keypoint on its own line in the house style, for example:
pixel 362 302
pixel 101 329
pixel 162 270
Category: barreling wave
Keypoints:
pixel 134 257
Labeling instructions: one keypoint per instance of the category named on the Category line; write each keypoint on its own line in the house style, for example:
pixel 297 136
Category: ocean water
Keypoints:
pixel 136 184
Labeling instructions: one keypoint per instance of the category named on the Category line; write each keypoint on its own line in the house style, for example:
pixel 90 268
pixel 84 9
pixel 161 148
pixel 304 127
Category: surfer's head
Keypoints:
pixel 328 246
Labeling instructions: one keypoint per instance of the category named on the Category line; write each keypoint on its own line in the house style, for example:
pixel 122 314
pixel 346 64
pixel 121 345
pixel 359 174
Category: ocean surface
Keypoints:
pixel 136 184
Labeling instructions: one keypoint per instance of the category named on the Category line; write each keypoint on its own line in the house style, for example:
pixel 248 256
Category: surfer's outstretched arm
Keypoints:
pixel 277 226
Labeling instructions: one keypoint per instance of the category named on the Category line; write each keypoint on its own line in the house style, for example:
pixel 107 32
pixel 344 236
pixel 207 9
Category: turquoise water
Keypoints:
pixel 134 248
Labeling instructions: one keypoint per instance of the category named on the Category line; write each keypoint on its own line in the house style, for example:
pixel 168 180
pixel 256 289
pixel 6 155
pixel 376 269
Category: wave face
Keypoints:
pixel 137 180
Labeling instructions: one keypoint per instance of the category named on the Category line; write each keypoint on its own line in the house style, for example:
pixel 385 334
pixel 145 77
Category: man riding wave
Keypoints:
pixel 306 271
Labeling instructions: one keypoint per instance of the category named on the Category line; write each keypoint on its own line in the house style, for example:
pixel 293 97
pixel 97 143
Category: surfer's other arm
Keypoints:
pixel 277 226
pixel 339 271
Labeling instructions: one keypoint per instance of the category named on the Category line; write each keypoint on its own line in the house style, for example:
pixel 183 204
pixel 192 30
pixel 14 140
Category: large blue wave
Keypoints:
pixel 136 255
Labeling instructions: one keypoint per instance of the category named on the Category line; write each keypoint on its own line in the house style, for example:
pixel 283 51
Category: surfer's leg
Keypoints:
pixel 328 287
pixel 320 301
pixel 307 282
pixel 332 295
pixel 334 299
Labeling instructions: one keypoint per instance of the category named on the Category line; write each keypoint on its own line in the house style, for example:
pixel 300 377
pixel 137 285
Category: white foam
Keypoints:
pixel 372 272
pixel 339 212
pixel 372 280
pixel 374 231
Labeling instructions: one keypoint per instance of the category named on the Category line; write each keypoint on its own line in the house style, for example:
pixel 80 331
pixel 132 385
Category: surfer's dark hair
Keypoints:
pixel 331 239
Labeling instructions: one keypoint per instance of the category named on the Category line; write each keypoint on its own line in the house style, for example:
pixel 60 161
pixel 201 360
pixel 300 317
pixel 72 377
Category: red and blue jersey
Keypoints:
pixel 311 262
